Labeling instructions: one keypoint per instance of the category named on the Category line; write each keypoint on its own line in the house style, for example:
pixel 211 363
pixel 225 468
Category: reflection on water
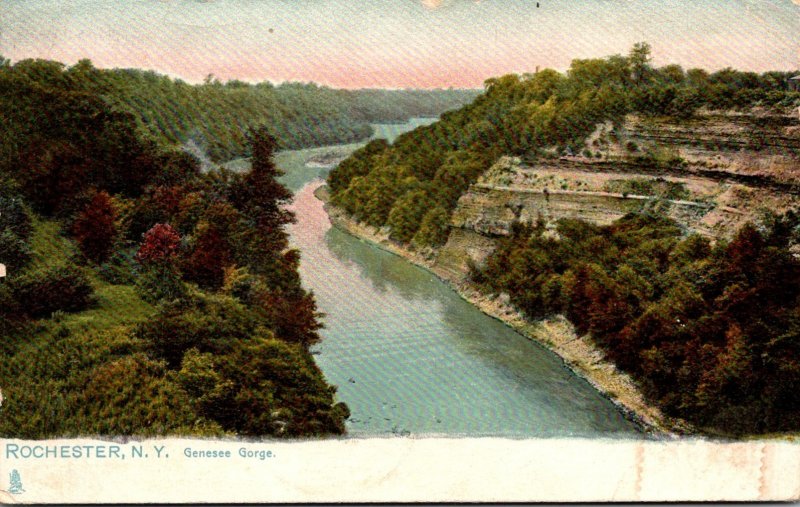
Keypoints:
pixel 411 357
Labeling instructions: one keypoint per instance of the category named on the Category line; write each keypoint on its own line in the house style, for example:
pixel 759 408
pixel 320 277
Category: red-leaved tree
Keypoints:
pixel 94 228
pixel 160 245
pixel 160 277
pixel 210 256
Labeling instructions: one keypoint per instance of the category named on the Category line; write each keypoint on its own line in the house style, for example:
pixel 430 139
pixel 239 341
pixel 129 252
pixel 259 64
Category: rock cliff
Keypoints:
pixel 709 174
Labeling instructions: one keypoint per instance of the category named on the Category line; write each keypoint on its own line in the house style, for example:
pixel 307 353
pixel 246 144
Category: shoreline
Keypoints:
pixel 557 334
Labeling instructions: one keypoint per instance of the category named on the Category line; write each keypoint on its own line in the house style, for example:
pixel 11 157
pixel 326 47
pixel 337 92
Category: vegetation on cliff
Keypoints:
pixel 532 115
pixel 143 295
pixel 710 331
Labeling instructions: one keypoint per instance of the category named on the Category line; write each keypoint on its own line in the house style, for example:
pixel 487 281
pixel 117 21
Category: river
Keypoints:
pixel 410 357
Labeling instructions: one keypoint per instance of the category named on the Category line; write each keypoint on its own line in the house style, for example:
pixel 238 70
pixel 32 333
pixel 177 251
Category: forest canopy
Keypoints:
pixel 710 332
pixel 215 116
pixel 144 296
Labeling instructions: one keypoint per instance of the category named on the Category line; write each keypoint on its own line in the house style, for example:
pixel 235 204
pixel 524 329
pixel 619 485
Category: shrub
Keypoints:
pixel 94 228
pixel 15 229
pixel 9 311
pixel 119 268
pixel 158 282
pixel 212 395
pixel 160 244
pixel 14 251
pixel 14 217
pixel 42 292
pixel 133 396
pixel 207 323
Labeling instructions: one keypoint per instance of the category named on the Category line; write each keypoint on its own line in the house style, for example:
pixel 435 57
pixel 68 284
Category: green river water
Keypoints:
pixel 409 356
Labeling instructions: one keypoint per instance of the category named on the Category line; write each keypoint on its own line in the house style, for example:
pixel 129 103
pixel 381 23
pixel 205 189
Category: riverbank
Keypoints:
pixel 577 352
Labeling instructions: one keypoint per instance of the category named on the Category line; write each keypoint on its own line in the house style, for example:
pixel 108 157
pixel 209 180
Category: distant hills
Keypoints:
pixel 216 115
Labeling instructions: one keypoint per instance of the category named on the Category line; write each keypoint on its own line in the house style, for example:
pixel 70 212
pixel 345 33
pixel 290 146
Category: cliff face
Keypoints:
pixel 710 175
pixel 744 144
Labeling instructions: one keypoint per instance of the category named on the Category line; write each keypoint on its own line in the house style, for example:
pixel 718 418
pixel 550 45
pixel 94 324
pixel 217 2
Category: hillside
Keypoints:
pixel 215 116
pixel 618 111
pixel 144 296
pixel 626 198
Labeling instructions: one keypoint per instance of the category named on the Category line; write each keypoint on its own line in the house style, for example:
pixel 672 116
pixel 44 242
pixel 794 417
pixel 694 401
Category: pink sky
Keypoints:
pixel 395 43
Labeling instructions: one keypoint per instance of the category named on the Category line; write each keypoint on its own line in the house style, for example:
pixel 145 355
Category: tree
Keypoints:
pixel 160 245
pixel 407 213
pixel 639 59
pixel 267 195
pixel 291 314
pixel 433 229
pixel 209 258
pixel 46 290
pixel 358 163
pixel 95 228
pixel 262 199
pixel 15 229
pixel 160 277
pixel 744 249
pixel 56 170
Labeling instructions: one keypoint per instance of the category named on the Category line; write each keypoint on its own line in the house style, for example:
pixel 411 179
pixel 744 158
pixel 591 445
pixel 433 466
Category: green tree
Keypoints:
pixel 262 200
pixel 433 229
pixel 639 59
pixel 407 213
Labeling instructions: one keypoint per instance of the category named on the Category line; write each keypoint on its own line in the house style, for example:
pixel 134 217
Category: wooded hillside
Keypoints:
pixel 410 185
pixel 216 116
pixel 144 296
pixel 708 330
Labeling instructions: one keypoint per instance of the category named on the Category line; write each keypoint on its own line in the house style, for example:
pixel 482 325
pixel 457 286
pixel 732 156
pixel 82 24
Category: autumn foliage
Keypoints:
pixel 169 348
pixel 160 245
pixel 210 256
pixel 711 333
pixel 95 229
pixel 174 345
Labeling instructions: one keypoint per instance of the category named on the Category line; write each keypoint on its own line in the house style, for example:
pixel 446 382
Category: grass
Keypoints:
pixel 46 363
pixel 49 246
pixel 117 305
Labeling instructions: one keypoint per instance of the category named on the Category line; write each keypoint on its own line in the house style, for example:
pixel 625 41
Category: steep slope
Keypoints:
pixel 621 197
pixel 144 296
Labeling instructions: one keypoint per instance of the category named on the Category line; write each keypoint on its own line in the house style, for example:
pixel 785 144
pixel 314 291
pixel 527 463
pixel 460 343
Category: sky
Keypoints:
pixel 395 43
